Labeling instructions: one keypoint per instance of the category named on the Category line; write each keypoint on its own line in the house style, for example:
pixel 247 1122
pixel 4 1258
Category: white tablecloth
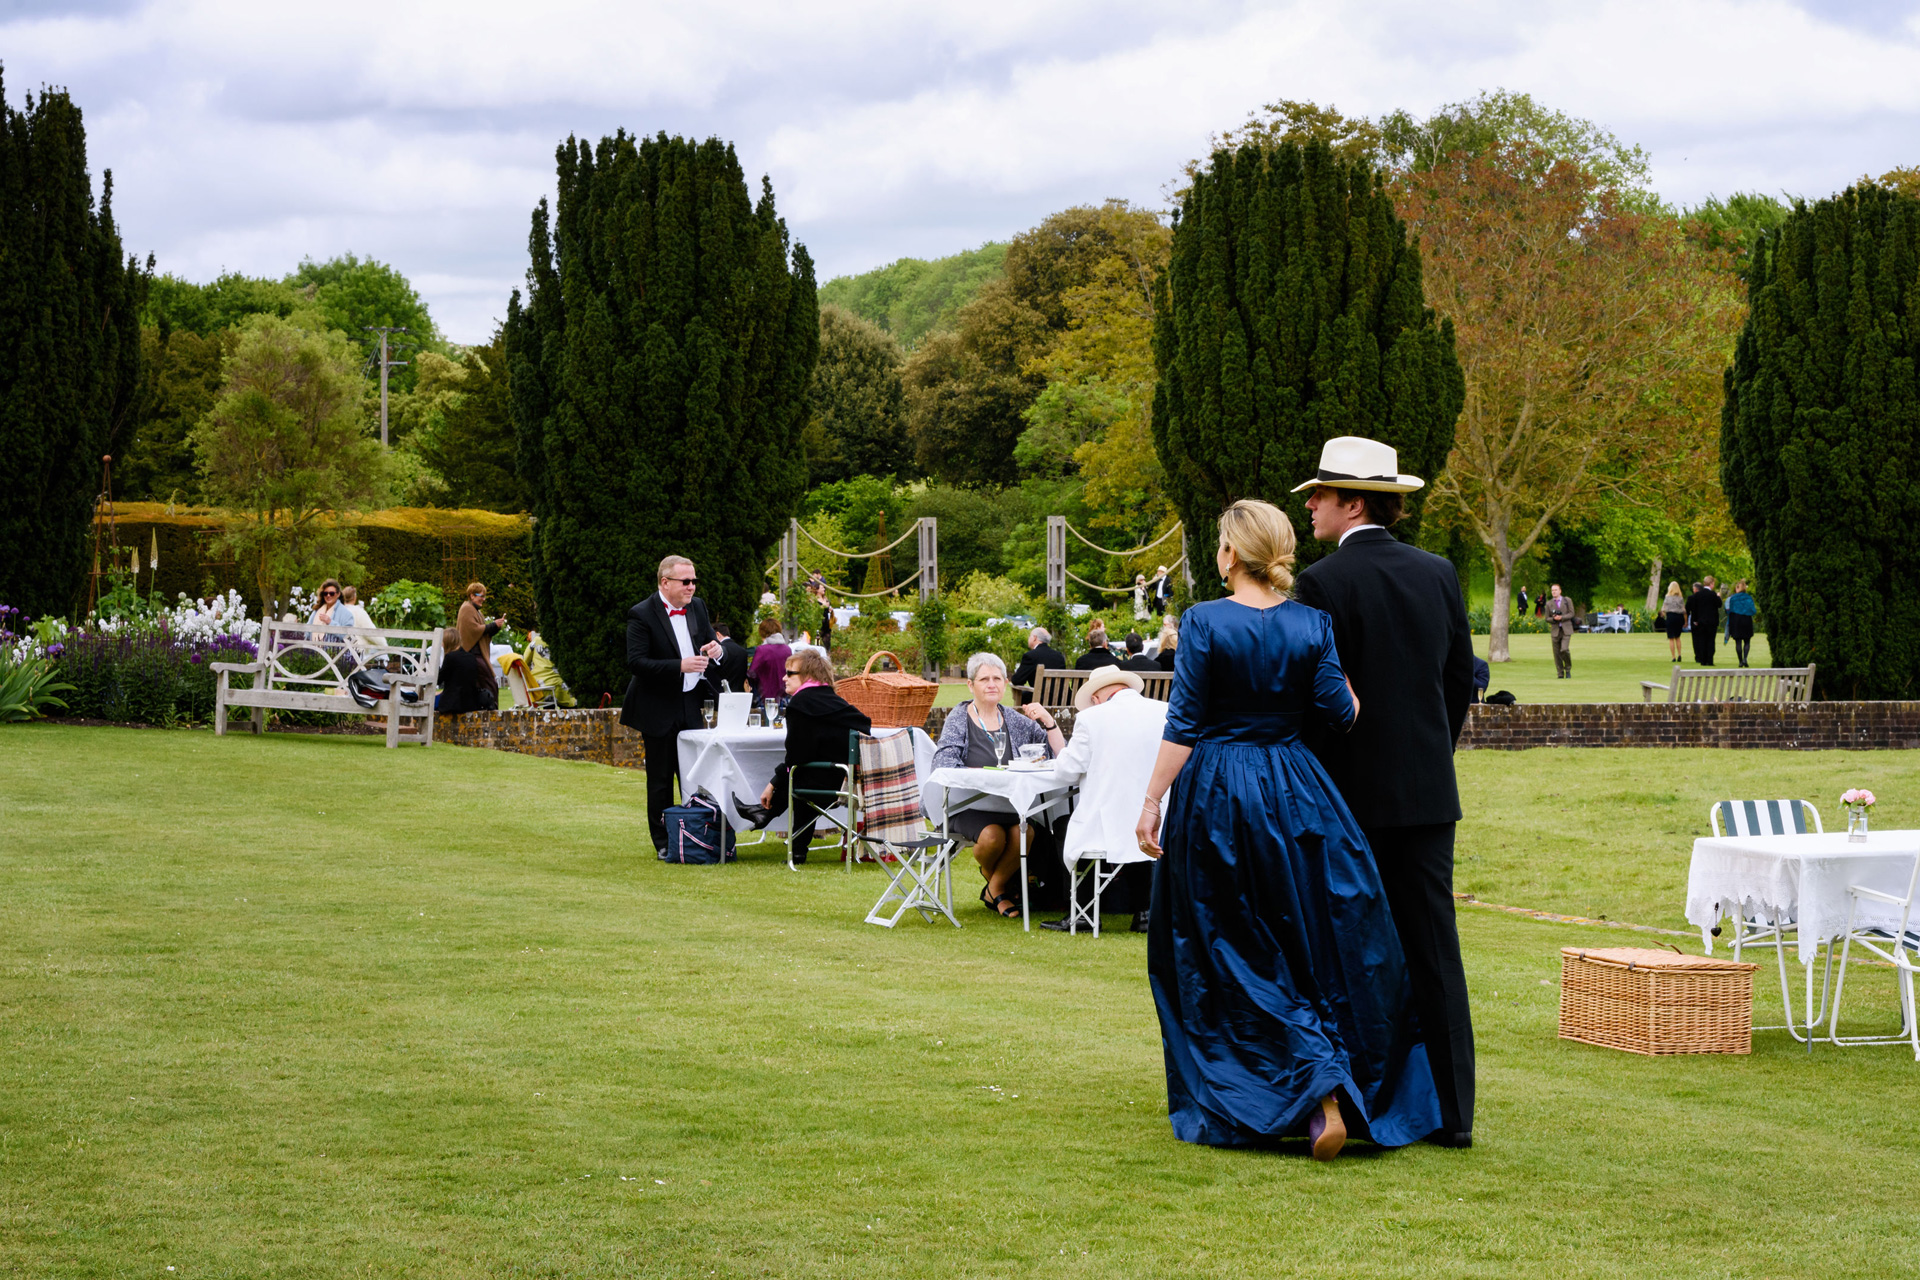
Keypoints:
pixel 1803 878
pixel 1029 793
pixel 730 764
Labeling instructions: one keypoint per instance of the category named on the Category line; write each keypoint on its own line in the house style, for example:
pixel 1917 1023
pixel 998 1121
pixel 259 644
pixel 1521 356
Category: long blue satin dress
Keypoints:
pixel 1274 962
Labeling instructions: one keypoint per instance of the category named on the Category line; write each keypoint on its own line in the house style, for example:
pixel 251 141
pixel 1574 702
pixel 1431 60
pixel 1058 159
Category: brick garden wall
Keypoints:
pixel 580 734
pixel 1805 726
pixel 1811 726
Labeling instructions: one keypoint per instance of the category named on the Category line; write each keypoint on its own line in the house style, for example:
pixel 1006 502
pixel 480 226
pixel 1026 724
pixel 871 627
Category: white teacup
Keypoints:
pixel 1032 753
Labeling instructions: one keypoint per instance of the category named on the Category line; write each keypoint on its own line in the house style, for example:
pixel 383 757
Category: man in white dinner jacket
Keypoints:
pixel 1116 738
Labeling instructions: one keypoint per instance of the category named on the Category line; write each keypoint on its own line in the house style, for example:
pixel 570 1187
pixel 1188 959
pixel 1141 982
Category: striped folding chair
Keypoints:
pixel 1769 818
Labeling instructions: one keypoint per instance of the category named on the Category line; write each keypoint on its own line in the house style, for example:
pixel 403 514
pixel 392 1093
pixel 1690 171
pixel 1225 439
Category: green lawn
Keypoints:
pixel 303 1006
pixel 1606 668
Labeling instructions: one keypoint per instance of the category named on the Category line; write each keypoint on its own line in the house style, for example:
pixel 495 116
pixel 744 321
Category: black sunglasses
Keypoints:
pixel 685 582
pixel 328 592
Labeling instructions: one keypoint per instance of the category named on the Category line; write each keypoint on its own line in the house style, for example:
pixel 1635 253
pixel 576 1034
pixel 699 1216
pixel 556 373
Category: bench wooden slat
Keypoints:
pixel 417 651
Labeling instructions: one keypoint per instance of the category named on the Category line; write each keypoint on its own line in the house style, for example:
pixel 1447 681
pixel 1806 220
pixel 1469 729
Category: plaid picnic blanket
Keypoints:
pixel 889 789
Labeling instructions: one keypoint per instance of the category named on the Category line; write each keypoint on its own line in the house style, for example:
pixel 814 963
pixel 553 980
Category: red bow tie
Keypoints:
pixel 676 613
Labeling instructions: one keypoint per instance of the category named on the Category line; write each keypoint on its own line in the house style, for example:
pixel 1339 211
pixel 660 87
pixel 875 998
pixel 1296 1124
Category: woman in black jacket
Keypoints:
pixel 818 722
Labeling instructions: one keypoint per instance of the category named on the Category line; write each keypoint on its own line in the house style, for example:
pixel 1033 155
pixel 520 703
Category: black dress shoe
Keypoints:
pixel 1139 922
pixel 1058 926
pixel 1444 1138
pixel 758 814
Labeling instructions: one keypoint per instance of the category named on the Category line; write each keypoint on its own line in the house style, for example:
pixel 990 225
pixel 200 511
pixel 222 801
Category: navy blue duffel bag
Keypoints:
pixel 697 834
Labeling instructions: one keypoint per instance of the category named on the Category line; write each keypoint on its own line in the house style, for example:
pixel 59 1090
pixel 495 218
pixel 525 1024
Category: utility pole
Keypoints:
pixel 386 363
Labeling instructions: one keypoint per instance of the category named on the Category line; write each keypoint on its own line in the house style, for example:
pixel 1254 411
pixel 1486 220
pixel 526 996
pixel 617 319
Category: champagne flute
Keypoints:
pixel 707 712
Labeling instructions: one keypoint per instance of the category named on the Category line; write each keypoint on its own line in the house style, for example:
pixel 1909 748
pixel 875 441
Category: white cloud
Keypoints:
pixel 246 136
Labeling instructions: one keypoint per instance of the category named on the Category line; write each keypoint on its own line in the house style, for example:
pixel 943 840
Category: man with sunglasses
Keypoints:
pixel 670 644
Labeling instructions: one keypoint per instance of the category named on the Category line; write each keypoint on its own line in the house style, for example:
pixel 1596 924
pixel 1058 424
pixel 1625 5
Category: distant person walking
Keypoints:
pixel 1741 609
pixel 1520 609
pixel 1560 628
pixel 1673 618
pixel 1703 609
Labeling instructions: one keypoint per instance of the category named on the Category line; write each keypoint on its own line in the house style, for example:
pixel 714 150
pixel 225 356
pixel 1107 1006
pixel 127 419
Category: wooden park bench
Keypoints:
pixel 1735 684
pixel 304 667
pixel 1054 688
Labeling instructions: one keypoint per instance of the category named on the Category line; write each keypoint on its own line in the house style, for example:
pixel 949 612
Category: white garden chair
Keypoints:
pixel 1899 947
pixel 1769 818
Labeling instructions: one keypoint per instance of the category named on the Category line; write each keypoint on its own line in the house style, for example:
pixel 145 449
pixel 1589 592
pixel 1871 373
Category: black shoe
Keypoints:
pixel 1057 926
pixel 757 814
pixel 1139 922
pixel 1443 1138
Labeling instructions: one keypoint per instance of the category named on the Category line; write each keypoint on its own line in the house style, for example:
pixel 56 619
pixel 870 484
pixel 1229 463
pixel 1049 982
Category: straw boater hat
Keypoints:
pixel 1353 462
pixel 1100 679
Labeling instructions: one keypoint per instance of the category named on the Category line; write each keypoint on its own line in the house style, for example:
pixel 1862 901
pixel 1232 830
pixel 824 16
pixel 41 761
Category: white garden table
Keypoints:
pixel 1803 883
pixel 737 764
pixel 1030 793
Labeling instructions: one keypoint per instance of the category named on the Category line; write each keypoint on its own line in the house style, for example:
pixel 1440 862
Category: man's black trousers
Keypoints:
pixel 1703 638
pixel 1416 868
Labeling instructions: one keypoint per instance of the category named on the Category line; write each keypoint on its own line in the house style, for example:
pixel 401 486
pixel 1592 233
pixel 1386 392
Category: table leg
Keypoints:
pixel 1026 914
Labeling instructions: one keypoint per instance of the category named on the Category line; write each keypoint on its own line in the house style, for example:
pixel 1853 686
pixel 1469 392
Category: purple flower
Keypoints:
pixel 55 649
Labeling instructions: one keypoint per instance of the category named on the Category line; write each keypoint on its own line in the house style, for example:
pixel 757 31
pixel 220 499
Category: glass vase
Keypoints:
pixel 1857 824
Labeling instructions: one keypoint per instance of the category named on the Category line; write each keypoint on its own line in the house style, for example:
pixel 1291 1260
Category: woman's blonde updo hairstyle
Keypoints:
pixel 1262 537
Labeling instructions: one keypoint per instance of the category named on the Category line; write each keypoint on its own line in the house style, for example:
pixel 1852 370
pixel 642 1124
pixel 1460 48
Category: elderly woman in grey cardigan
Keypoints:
pixel 981 733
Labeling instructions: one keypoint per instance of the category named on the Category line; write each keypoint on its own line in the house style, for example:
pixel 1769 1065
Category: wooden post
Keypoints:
pixel 383 388
pixel 1057 558
pixel 929 557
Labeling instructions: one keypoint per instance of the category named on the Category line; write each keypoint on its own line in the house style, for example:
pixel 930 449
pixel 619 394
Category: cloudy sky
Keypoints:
pixel 244 136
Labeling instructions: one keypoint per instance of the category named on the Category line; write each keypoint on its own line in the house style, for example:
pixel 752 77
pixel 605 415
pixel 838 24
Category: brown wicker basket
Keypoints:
pixel 1655 1002
pixel 891 699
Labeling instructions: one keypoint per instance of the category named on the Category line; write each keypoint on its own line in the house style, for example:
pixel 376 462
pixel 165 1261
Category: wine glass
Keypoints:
pixel 772 708
pixel 707 712
pixel 1000 750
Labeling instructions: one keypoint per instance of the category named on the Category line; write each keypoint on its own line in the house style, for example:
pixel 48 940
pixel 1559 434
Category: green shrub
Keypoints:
pixel 410 606
pixel 27 689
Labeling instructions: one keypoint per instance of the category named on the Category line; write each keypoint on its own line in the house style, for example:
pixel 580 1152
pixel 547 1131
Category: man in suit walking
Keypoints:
pixel 1040 653
pixel 1400 626
pixel 670 643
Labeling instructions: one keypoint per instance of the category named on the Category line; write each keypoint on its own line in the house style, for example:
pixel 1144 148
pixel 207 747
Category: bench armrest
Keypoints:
pixel 244 668
pixel 1647 687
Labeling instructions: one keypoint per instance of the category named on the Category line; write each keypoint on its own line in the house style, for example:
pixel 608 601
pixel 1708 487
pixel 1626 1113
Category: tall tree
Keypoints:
pixel 659 371
pixel 69 321
pixel 184 372
pixel 464 431
pixel 1589 336
pixel 1294 313
pixel 1818 436
pixel 1515 125
pixel 353 294
pixel 859 420
pixel 286 450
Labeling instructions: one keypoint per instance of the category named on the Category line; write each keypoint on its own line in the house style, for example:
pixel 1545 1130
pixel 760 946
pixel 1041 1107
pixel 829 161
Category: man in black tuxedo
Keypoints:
pixel 1040 653
pixel 670 643
pixel 730 668
pixel 1097 654
pixel 1703 611
pixel 1400 626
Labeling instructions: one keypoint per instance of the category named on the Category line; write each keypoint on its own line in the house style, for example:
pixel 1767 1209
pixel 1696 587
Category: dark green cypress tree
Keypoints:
pixel 70 325
pixel 659 372
pixel 1818 441
pixel 1292 312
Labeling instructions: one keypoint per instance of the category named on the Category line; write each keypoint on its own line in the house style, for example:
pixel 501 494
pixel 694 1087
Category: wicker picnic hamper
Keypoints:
pixel 891 699
pixel 1655 1002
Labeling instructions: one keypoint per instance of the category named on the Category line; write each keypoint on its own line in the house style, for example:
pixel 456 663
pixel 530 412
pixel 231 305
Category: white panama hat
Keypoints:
pixel 1354 462
pixel 1100 679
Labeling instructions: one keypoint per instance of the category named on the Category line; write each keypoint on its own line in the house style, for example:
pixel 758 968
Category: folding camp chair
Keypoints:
pixel 1770 818
pixel 876 810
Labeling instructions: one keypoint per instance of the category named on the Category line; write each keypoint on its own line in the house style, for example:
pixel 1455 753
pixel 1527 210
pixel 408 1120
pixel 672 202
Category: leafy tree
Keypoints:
pixel 1905 180
pixel 967 395
pixel 286 450
pixel 1515 125
pixel 459 422
pixel 1293 313
pixel 184 372
pixel 913 297
pixel 857 507
pixel 351 294
pixel 69 320
pixel 1734 226
pixel 1589 337
pixel 1353 141
pixel 659 372
pixel 1820 427
pixel 204 309
pixel 859 423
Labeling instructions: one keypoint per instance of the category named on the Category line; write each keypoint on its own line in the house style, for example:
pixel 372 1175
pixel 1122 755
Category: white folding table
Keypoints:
pixel 1030 793
pixel 1800 882
pixel 737 764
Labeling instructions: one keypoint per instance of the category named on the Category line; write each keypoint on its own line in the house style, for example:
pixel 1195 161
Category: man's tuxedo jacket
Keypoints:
pixel 1400 625
pixel 655 703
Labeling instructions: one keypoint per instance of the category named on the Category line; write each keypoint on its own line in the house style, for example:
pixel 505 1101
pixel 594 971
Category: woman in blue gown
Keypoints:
pixel 1275 967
